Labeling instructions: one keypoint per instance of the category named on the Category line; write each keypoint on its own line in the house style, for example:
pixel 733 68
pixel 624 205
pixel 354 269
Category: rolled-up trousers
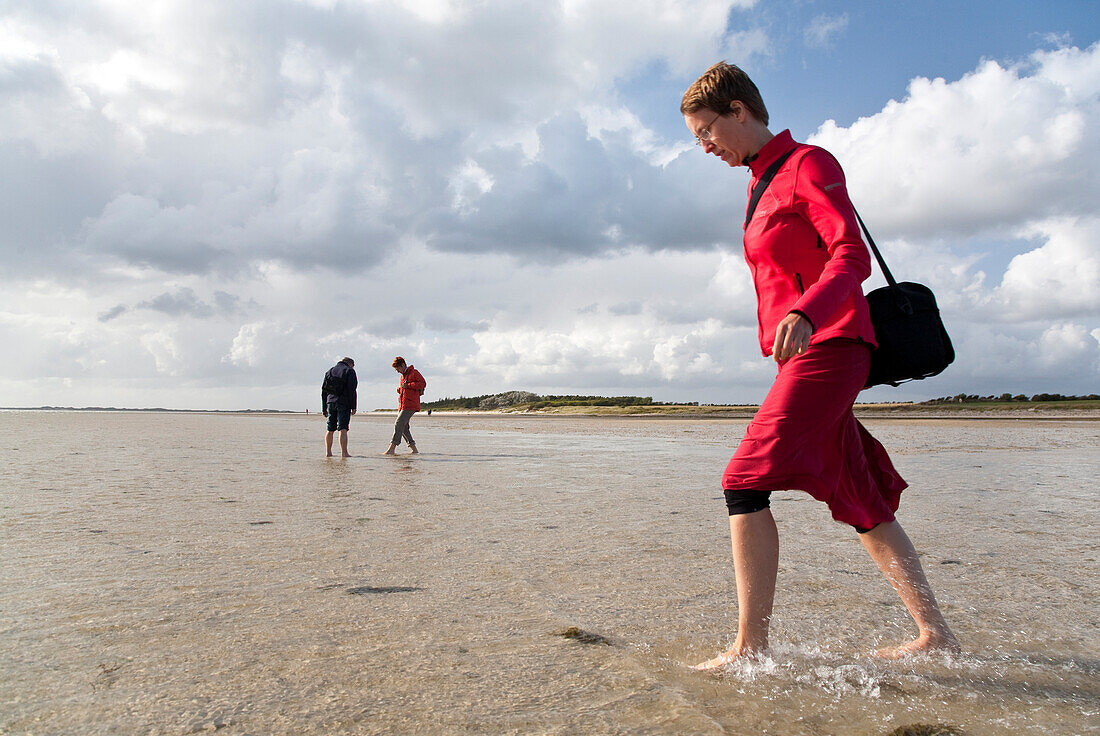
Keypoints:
pixel 401 428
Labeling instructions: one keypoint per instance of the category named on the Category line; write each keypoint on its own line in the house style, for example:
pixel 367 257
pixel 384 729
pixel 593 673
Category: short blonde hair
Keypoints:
pixel 720 86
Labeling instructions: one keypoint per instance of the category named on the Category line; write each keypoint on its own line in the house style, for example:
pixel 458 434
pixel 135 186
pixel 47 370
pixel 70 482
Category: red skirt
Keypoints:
pixel 806 438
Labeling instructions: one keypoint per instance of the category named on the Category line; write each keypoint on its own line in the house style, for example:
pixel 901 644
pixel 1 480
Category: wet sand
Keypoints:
pixel 174 573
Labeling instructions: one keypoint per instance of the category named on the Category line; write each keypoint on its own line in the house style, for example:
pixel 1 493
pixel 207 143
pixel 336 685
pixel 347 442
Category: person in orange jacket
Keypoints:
pixel 408 402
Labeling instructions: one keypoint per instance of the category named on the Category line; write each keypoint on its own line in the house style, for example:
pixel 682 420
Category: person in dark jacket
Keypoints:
pixel 807 260
pixel 338 402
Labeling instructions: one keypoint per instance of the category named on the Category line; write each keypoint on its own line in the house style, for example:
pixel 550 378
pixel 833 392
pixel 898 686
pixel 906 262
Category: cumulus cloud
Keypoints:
pixel 1070 348
pixel 630 351
pixel 233 196
pixel 993 151
pixel 321 135
pixel 1041 356
pixel 1060 278
pixel 955 173
pixel 582 196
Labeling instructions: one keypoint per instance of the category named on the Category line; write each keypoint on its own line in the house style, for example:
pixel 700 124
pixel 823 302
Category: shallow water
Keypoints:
pixel 176 573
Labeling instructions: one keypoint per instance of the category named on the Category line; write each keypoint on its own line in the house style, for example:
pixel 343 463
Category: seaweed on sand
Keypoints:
pixel 584 637
pixel 925 729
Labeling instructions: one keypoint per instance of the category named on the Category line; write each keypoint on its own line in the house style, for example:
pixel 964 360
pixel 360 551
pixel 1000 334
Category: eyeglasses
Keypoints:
pixel 704 133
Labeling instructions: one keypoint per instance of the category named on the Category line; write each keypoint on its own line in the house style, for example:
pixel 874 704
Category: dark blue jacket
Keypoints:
pixel 345 400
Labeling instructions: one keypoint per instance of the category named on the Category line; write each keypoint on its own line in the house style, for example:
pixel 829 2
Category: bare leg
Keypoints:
pixel 892 551
pixel 755 541
pixel 344 443
pixel 328 444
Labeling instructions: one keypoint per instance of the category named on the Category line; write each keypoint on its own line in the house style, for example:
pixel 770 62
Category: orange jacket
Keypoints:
pixel 408 393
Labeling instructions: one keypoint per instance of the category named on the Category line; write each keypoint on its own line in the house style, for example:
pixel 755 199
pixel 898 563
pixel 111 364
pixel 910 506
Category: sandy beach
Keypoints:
pixel 179 573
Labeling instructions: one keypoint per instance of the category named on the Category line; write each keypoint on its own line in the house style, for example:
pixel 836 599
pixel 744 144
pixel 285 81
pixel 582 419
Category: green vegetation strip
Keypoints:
pixel 525 401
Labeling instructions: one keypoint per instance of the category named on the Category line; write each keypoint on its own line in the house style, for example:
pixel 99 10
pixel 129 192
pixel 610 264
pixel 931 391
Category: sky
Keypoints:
pixel 205 204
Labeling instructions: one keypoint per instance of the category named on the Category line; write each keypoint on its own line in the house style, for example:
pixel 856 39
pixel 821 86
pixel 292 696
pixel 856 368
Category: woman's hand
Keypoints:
pixel 792 337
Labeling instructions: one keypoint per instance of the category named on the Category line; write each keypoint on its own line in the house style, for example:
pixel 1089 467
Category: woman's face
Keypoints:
pixel 726 140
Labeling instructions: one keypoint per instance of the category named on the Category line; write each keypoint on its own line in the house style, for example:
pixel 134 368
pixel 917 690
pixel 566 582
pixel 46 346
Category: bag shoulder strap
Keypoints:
pixel 870 241
pixel 766 179
pixel 762 184
pixel 874 249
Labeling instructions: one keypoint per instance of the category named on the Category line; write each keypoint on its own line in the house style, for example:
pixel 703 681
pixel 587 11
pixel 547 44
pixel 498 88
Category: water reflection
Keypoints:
pixel 231 559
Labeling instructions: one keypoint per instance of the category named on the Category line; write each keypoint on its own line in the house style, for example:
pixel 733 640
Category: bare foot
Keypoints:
pixel 345 455
pixel 925 643
pixel 389 452
pixel 414 451
pixel 734 653
pixel 329 455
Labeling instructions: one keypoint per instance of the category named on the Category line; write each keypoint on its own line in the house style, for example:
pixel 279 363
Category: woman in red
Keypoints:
pixel 409 389
pixel 808 261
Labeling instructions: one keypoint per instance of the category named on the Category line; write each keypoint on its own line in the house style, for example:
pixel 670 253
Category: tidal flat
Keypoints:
pixel 184 573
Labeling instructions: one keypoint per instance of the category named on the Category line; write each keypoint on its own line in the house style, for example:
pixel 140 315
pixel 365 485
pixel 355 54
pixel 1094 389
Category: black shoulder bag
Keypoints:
pixel 912 341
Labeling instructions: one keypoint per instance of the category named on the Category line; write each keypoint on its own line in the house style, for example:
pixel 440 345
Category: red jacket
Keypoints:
pixel 408 392
pixel 804 248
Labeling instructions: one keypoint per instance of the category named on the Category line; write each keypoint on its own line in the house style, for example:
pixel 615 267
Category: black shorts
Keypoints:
pixel 338 419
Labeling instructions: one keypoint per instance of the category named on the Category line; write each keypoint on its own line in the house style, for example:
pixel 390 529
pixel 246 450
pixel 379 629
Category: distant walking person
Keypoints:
pixel 408 402
pixel 338 402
